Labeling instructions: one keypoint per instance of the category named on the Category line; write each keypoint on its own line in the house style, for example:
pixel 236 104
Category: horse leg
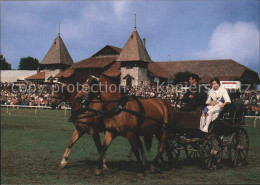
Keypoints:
pixel 96 138
pixel 74 138
pixel 160 150
pixel 109 136
pixel 158 137
pixel 141 148
pixel 134 142
pixel 128 155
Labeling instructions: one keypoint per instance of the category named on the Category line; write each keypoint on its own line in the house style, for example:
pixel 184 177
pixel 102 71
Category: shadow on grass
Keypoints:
pixel 133 166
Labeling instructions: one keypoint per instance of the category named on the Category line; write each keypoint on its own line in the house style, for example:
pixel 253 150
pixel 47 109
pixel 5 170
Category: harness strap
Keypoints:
pixel 142 111
pixel 96 113
pixel 144 116
pixel 116 110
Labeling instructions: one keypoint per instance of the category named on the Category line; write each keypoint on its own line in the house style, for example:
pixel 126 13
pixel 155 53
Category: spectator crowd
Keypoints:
pixel 40 95
pixel 25 94
pixel 174 94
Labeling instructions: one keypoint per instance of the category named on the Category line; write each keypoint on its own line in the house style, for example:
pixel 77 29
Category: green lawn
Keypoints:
pixel 32 147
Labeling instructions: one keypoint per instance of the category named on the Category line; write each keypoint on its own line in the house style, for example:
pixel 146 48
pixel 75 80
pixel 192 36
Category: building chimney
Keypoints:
pixel 38 69
pixel 144 39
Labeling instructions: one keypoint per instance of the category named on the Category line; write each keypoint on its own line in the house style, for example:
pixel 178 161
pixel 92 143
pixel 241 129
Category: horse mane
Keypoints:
pixel 109 81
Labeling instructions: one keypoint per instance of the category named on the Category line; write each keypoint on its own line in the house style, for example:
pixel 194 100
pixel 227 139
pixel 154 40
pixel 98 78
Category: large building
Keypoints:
pixel 132 65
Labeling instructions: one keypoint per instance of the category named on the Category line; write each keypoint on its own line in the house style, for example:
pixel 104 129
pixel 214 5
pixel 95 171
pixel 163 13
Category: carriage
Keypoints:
pixel 183 134
pixel 225 135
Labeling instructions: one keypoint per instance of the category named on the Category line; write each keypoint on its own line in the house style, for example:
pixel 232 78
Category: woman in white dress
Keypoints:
pixel 217 98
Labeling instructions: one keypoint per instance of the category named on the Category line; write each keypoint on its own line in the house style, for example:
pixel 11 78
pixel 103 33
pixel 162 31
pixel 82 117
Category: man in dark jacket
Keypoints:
pixel 196 95
pixel 238 104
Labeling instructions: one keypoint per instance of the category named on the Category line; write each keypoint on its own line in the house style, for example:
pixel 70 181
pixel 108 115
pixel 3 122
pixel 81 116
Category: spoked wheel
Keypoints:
pixel 174 149
pixel 193 150
pixel 212 151
pixel 239 146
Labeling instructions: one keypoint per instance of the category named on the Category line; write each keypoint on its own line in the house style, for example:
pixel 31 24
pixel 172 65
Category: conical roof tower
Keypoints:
pixel 134 60
pixel 134 50
pixel 58 56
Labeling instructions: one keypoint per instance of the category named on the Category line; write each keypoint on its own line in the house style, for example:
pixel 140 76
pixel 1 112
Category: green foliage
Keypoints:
pixel 4 65
pixel 181 77
pixel 29 63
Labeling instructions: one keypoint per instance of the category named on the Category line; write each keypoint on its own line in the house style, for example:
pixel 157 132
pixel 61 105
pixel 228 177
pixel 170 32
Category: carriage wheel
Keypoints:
pixel 239 146
pixel 212 151
pixel 193 150
pixel 174 148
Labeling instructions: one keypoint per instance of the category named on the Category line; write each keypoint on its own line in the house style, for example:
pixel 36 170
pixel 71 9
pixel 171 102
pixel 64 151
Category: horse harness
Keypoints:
pixel 114 111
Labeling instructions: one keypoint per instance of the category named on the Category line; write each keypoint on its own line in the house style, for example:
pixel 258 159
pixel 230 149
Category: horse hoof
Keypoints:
pixel 105 168
pixel 141 174
pixel 145 162
pixel 153 169
pixel 63 165
pixel 128 159
pixel 98 172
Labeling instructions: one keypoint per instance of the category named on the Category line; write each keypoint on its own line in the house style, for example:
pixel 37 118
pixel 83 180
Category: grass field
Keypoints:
pixel 32 147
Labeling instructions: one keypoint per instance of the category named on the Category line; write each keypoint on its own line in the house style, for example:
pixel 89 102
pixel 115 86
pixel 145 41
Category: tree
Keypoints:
pixel 29 63
pixel 3 64
pixel 181 77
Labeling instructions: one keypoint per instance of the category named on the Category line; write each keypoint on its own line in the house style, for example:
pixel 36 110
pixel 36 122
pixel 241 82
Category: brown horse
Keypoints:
pixel 130 118
pixel 90 125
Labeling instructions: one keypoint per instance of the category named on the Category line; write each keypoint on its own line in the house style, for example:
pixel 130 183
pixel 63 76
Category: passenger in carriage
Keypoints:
pixel 195 96
pixel 238 104
pixel 217 99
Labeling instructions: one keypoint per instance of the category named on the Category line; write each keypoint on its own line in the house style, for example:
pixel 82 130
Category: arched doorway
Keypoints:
pixel 129 81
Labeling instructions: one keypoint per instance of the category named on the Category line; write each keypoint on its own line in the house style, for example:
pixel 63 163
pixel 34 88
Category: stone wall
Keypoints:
pixel 143 75
pixel 139 74
pixel 50 73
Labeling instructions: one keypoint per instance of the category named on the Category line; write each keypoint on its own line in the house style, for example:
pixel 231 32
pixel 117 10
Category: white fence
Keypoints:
pixel 32 107
pixel 66 108
pixel 255 118
pixel 8 107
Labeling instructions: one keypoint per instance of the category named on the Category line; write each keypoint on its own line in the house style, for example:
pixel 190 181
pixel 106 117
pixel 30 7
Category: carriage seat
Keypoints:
pixel 231 115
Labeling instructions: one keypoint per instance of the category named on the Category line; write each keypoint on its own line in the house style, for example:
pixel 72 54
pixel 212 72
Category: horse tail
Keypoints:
pixel 148 140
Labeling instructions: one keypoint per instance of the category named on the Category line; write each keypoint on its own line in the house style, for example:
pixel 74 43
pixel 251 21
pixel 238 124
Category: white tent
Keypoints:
pixel 14 75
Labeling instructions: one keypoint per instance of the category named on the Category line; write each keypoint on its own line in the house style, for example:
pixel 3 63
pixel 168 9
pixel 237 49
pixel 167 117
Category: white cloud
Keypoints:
pixel 24 20
pixel 238 41
pixel 83 28
pixel 121 8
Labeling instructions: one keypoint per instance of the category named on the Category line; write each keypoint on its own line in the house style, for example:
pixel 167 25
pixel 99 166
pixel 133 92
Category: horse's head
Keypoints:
pixel 90 90
pixel 59 94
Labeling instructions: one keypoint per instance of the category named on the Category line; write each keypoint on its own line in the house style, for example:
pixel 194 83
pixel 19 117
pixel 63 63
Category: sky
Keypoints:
pixel 174 30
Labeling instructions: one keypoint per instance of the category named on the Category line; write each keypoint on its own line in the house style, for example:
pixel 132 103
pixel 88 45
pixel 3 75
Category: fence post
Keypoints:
pixel 255 122
pixel 65 111
pixel 35 112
